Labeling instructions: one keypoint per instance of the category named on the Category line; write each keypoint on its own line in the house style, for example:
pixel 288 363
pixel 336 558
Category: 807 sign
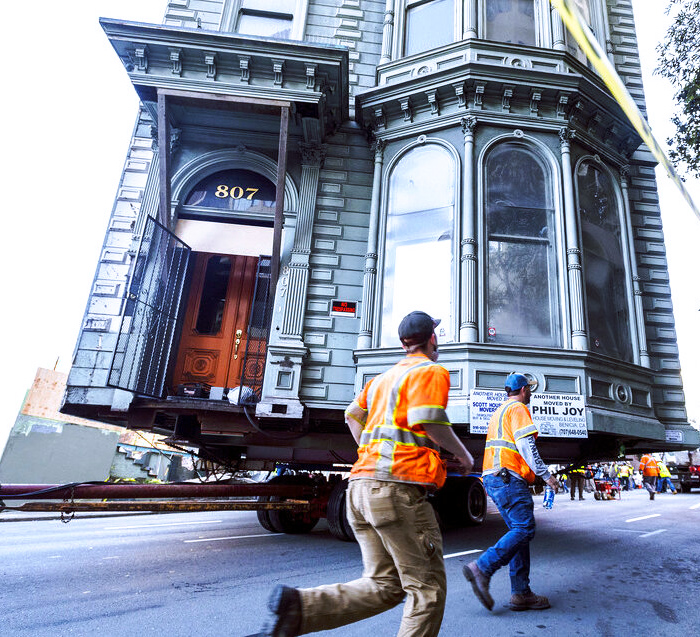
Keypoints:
pixel 235 192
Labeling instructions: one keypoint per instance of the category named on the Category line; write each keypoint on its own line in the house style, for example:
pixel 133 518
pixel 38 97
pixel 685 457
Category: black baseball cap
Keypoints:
pixel 416 328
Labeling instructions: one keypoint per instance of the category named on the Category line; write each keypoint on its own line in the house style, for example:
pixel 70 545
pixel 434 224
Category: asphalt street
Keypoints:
pixel 608 567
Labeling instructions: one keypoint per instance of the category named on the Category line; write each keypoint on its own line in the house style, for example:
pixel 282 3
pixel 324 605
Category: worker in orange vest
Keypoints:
pixel 398 421
pixel 511 462
pixel 649 468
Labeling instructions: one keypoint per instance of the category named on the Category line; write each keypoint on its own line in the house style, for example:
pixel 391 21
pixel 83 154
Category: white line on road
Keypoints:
pixel 462 553
pixel 627 530
pixel 153 526
pixel 233 537
pixel 644 517
pixel 695 506
pixel 653 533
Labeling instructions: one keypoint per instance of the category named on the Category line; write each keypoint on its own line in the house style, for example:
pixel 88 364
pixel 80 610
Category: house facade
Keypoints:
pixel 303 173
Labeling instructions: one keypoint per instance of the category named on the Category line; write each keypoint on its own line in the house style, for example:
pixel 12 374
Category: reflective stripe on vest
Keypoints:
pixel 504 451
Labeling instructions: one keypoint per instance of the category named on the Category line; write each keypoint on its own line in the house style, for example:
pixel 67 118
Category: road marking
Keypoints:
pixel 233 537
pixel 627 530
pixel 55 557
pixel 111 557
pixel 644 517
pixel 695 506
pixel 153 526
pixel 653 533
pixel 462 553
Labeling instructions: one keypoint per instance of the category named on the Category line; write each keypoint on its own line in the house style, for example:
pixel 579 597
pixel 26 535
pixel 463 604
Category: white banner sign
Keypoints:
pixel 556 415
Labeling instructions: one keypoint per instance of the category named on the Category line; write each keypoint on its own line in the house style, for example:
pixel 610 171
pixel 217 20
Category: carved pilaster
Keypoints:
pixel 468 324
pixel 470 19
pixel 387 32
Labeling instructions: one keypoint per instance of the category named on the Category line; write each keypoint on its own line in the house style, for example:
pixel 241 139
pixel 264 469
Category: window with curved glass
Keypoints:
pixel 419 246
pixel 584 7
pixel 429 25
pixel 604 270
pixel 511 21
pixel 522 302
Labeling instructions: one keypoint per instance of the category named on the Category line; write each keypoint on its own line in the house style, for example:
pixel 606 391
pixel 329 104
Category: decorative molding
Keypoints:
pixel 141 57
pixel 479 90
pixel 459 92
pixel 562 103
pixel 566 134
pixel 312 154
pixel 176 61
pixel 468 125
pixel 433 101
pixel 378 146
pixel 379 118
pixel 311 75
pixel 535 97
pixel 278 69
pixel 210 61
pixel 244 65
pixel 175 139
pixel 405 103
pixel 507 94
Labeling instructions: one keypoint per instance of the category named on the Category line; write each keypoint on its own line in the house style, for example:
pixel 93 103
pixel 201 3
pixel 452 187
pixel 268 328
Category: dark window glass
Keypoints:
pixel 511 21
pixel 522 302
pixel 212 301
pixel 603 264
pixel 429 25
pixel 235 191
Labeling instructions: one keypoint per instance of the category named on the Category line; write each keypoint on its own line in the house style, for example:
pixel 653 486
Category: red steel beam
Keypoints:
pixel 132 491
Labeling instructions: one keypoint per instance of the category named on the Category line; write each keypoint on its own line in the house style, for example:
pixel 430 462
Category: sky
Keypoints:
pixel 69 111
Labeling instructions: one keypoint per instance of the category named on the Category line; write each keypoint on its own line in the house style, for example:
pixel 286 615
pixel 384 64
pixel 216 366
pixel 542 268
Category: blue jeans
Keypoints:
pixel 515 504
pixel 662 483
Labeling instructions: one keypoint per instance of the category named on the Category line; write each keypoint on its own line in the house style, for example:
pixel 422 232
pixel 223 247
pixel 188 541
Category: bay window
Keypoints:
pixel 522 300
pixel 419 260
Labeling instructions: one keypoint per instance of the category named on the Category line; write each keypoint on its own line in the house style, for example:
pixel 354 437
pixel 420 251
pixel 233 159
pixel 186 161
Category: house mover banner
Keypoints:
pixel 556 415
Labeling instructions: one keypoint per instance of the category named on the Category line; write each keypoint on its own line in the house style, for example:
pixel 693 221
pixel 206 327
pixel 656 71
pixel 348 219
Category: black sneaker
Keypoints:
pixel 285 605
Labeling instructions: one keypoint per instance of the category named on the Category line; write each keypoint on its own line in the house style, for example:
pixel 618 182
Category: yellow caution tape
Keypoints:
pixel 591 47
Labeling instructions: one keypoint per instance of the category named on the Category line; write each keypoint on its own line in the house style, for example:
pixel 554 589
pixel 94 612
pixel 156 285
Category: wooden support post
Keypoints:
pixel 164 156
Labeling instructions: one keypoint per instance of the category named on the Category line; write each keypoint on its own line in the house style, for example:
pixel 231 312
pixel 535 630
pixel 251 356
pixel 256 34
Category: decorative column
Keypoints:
pixel 388 32
pixel 468 325
pixel 579 337
pixel 644 359
pixel 312 156
pixel 558 41
pixel 470 19
pixel 286 349
pixel 364 340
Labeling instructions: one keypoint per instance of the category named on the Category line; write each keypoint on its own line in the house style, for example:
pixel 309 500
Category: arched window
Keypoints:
pixel 522 302
pixel 603 263
pixel 419 248
pixel 511 21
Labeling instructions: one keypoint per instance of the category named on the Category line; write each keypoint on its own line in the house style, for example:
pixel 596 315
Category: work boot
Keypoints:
pixel 480 584
pixel 529 601
pixel 285 605
pixel 651 495
pixel 581 497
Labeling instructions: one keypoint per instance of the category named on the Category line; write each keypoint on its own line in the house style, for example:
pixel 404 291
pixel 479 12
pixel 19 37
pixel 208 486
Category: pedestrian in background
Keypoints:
pixel 664 479
pixel 398 421
pixel 649 468
pixel 511 462
pixel 577 478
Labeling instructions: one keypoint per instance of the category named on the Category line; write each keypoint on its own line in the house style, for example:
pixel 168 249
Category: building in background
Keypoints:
pixel 303 173
pixel 49 447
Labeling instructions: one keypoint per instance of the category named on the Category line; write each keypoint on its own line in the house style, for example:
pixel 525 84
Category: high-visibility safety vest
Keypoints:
pixel 510 422
pixel 623 471
pixel 392 409
pixel 663 470
pixel 648 466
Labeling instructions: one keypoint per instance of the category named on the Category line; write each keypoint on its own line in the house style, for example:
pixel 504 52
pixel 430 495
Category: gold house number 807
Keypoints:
pixel 236 192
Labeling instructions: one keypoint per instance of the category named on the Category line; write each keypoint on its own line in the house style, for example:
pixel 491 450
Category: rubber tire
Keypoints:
pixel 264 514
pixel 685 488
pixel 460 502
pixel 287 521
pixel 336 513
pixel 596 495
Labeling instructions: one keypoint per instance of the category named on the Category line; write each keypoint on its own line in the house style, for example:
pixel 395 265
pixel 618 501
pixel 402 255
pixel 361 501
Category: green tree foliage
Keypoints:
pixel 680 63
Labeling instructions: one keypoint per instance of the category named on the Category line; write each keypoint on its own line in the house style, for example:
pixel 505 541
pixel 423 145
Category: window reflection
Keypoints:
pixel 419 253
pixel 603 265
pixel 429 25
pixel 212 300
pixel 511 21
pixel 522 299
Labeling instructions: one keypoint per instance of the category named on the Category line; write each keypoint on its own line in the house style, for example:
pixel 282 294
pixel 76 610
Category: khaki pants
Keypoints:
pixel 401 545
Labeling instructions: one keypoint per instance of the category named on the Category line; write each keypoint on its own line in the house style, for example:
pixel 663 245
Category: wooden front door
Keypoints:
pixel 213 341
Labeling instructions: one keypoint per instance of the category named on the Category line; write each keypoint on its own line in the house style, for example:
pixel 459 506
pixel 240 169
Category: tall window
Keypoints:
pixel 419 250
pixel 266 18
pixel 511 21
pixel 429 25
pixel 603 264
pixel 584 7
pixel 522 292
